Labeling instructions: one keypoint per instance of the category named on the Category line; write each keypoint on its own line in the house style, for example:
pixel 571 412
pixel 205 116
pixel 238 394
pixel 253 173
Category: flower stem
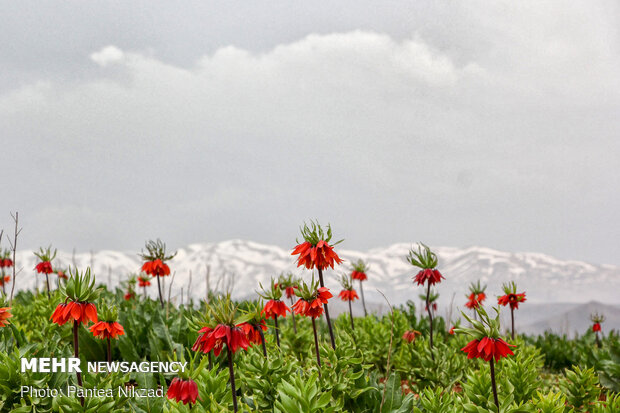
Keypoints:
pixel 351 314
pixel 161 300
pixel 275 319
pixel 293 314
pixel 262 338
pixel 232 378
pixel 512 318
pixel 329 321
pixel 598 340
pixel 363 300
pixel 430 317
pixel 144 291
pixel 76 349
pixel 316 345
pixel 109 350
pixel 47 283
pixel 494 385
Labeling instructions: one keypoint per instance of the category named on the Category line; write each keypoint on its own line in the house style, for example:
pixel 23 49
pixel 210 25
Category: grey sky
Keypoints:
pixel 485 123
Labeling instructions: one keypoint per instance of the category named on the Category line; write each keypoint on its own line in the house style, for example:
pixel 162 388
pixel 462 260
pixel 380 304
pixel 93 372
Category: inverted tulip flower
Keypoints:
pixel 311 302
pixel 426 261
pixel 44 266
pixel 348 294
pixel 317 252
pixel 289 284
pixel 513 299
pixel 255 325
pixel 5 263
pixel 274 307
pixel 79 292
pixel 225 327
pixel 155 263
pixel 360 273
pixel 476 296
pixel 5 313
pixel 107 327
pixel 144 281
pixel 185 391
pixel 486 343
pixel 597 319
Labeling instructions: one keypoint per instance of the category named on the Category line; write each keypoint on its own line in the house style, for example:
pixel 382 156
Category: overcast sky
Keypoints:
pixel 455 123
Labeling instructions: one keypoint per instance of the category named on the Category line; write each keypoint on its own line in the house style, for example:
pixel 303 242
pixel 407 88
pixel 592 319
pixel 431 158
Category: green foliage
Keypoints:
pixel 580 387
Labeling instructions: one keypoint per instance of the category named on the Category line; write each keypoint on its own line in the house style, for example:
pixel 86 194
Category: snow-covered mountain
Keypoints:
pixel 239 266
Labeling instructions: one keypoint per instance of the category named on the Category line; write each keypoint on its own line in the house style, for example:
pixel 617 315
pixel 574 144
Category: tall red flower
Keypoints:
pixel 214 339
pixel 481 297
pixel 254 336
pixel 472 302
pixel 410 336
pixel 44 267
pixel 275 308
pixel 185 391
pixel 6 263
pixel 348 295
pixel 80 312
pixel 5 314
pixel 488 348
pixel 143 281
pixel 511 299
pixel 321 255
pixel 105 329
pixel 358 275
pixel 156 268
pixel 430 275
pixel 596 327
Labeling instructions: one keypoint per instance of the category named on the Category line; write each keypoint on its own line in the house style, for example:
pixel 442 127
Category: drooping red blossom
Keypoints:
pixel 5 279
pixel 481 297
pixel 5 314
pixel 44 267
pixel 129 295
pixel 62 275
pixel 488 348
pixel 80 312
pixel 512 299
pixel 451 332
pixel 214 339
pixel 290 291
pixel 321 255
pixel 472 302
pixel 433 276
pixel 156 268
pixel 275 308
pixel 185 391
pixel 358 275
pixel 6 263
pixel 252 332
pixel 105 329
pixel 410 336
pixel 348 295
pixel 143 282
pixel 596 327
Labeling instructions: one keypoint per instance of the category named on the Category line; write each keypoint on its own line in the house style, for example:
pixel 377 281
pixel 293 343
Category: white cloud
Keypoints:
pixel 108 55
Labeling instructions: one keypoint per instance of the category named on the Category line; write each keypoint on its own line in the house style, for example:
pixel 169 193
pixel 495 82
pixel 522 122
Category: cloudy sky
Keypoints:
pixel 458 124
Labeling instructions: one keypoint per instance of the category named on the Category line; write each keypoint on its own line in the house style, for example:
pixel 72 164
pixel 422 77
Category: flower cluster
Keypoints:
pixel 155 259
pixel 316 251
pixel 511 297
pixel 410 336
pixel 79 311
pixel 143 280
pixel 185 391
pixel 274 306
pixel 476 296
pixel 214 339
pixel 80 293
pixel 252 332
pixel 311 300
pixel 486 343
pixel 5 314
pixel 426 260
pixel 347 293
pixel 597 319
pixel 5 261
pixel 107 326
pixel 359 270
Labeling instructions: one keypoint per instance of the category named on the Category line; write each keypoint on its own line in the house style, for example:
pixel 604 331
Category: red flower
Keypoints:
pixel 512 299
pixel 185 391
pixel 80 312
pixel 275 308
pixel 252 332
pixel 481 297
pixel 433 306
pixel 61 274
pixel 6 262
pixel 433 276
pixel 472 303
pixel 4 316
pixel 356 275
pixel 5 279
pixel 596 327
pixel 143 282
pixel 290 291
pixel 348 295
pixel 320 256
pixel 410 336
pixel 44 267
pixel 104 329
pixel 129 295
pixel 214 339
pixel 488 348
pixel 451 332
pixel 156 268
pixel 312 309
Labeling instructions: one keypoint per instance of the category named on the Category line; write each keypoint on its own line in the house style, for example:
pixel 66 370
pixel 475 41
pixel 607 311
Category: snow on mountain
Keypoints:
pixel 239 266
